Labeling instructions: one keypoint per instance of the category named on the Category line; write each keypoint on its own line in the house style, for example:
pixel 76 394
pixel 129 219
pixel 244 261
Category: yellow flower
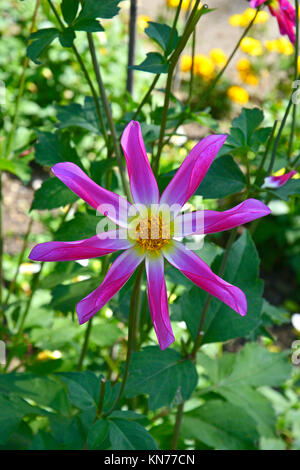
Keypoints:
pixel 204 66
pixel 44 355
pixel 237 20
pixel 243 20
pixel 185 4
pixel 243 65
pixel 249 78
pixel 186 63
pixel 271 45
pixel 238 94
pixel 282 171
pixel 143 21
pixel 218 57
pixel 251 46
pixel 284 46
pixel 250 13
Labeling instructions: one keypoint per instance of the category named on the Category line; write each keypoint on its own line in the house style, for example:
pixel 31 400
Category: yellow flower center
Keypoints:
pixel 152 233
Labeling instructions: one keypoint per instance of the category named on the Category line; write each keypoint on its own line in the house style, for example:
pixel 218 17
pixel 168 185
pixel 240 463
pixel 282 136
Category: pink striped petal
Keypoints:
pixel 118 274
pixel 108 203
pixel 257 3
pixel 277 181
pixel 203 222
pixel 99 245
pixel 143 184
pixel 158 301
pixel 192 171
pixel 198 272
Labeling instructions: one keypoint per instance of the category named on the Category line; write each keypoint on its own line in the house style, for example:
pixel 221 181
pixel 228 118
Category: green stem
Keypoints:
pixel 177 427
pixel 132 44
pixel 131 333
pixel 21 87
pixel 200 333
pixel 191 24
pixel 20 261
pixel 101 398
pixel 108 115
pixel 191 84
pixel 85 344
pixel 294 114
pixel 260 171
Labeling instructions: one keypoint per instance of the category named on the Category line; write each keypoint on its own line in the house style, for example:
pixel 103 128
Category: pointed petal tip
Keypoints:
pixel 165 344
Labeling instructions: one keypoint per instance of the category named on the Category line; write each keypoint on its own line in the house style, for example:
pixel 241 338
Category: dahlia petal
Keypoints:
pixel 203 222
pixel 118 274
pixel 108 203
pixel 143 184
pixel 277 181
pixel 158 301
pixel 192 171
pixel 99 245
pixel 257 3
pixel 200 273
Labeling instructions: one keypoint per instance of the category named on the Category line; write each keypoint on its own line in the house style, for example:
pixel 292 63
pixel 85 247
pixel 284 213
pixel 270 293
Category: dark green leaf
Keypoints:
pixel 103 9
pixel 170 379
pixel 98 435
pixel 242 270
pixel 76 115
pixel 291 188
pixel 52 194
pixel 129 435
pixel 89 25
pixel 66 37
pixel 161 33
pixel 55 148
pixel 220 425
pixel 154 63
pixel 83 225
pixel 65 298
pixel 69 10
pixel 40 41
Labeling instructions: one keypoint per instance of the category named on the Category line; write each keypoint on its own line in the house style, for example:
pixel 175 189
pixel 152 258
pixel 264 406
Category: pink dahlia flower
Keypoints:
pixel 147 230
pixel 277 181
pixel 285 14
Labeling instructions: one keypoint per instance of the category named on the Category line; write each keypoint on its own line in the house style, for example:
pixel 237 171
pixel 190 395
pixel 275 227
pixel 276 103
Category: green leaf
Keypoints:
pixel 291 188
pixel 170 379
pixel 271 444
pixel 129 435
pixel 98 435
pixel 256 366
pixel 161 33
pixel 154 63
pixel 55 148
pixel 45 391
pixel 66 37
pixel 62 272
pixel 89 25
pixel 40 41
pixel 68 432
pixel 242 270
pixel 224 178
pixel 65 298
pixel 76 115
pixel 52 194
pixel 84 388
pixel 103 9
pixel 220 425
pixel 69 10
pixel 83 225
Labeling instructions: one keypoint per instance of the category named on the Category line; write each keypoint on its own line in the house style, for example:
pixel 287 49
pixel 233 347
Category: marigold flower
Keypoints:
pixel 284 46
pixel 204 66
pixel 243 20
pixel 186 63
pixel 285 14
pixel 186 4
pixel 238 94
pixel 251 46
pixel 143 22
pixel 249 78
pixel 218 57
pixel 243 65
pixel 151 211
